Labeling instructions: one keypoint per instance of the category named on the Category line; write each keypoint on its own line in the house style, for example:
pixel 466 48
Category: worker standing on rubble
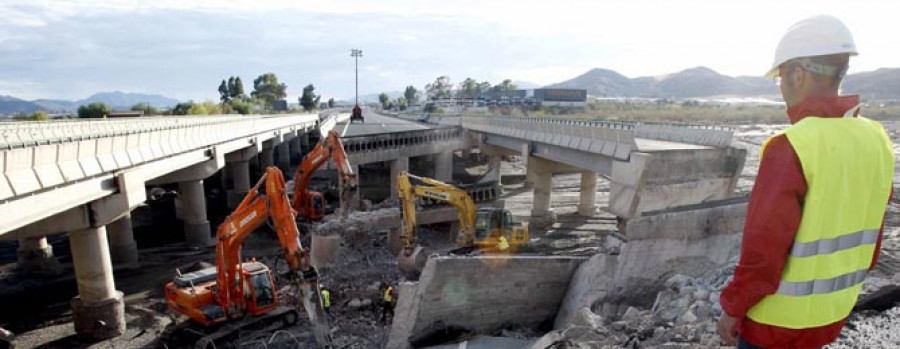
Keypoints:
pixel 816 211
pixel 387 304
pixel 326 302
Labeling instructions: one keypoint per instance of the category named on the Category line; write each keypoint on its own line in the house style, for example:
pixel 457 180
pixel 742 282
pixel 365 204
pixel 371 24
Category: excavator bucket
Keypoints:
pixel 413 262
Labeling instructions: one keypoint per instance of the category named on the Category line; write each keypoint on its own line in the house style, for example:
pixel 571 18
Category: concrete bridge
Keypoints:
pixel 85 177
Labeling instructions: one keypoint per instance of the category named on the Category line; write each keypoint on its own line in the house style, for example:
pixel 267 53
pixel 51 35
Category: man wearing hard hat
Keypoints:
pixel 815 217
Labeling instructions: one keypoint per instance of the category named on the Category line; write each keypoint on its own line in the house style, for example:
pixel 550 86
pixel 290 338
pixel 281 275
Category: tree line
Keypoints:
pixel 443 88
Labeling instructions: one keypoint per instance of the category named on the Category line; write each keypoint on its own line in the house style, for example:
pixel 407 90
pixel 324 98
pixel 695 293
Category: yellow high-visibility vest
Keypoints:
pixel 387 294
pixel 503 244
pixel 326 298
pixel 848 164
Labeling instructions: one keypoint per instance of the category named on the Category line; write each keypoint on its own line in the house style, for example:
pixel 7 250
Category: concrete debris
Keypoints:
pixel 356 221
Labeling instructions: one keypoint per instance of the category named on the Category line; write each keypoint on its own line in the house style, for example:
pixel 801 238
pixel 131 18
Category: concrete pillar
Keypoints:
pixel 304 144
pixel 587 202
pixel 99 310
pixel 196 226
pixel 398 165
pixel 494 163
pixel 122 247
pixel 35 257
pixel 541 212
pixel 295 149
pixel 393 240
pixel 266 159
pixel 443 166
pixel 350 200
pixel 530 175
pixel 240 176
pixel 284 157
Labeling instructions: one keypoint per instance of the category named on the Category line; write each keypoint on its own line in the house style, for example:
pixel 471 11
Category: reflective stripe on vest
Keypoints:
pixel 848 166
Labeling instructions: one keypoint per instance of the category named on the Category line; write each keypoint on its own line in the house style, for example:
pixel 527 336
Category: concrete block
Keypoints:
pixel 487 292
pixel 19 170
pixel 105 155
pixel 324 250
pixel 99 320
pixel 68 162
pixel 120 144
pixel 45 165
pixel 133 149
pixel 404 316
pixel 590 283
pixel 87 157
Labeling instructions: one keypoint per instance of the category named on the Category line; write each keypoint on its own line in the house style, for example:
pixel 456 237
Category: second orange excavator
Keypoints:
pixel 310 205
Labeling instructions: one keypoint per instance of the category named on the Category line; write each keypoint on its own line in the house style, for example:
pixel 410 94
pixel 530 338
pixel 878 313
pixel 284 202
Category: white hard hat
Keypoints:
pixel 814 36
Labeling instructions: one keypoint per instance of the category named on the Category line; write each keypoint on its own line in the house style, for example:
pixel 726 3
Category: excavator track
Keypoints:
pixel 188 334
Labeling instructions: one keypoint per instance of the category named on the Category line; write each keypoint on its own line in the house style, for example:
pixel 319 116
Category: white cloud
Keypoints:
pixel 182 46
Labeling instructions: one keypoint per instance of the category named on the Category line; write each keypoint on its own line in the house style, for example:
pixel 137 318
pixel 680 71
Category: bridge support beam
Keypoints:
pixel 122 247
pixel 197 233
pixel 443 166
pixel 99 310
pixel 35 257
pixel 398 165
pixel 304 144
pixel 284 158
pixel 587 202
pixel 541 213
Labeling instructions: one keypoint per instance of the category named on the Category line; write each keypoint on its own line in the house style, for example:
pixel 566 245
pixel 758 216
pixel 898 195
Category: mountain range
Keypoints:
pixel 115 100
pixel 704 82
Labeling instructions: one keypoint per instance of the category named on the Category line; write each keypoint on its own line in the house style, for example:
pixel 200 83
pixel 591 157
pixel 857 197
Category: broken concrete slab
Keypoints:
pixel 659 180
pixel 590 283
pixel 483 293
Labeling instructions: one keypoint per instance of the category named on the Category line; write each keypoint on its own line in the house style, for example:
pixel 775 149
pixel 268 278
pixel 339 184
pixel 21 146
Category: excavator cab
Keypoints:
pixel 262 287
pixel 491 223
pixel 316 205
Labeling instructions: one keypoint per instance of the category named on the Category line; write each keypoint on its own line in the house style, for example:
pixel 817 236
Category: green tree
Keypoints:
pixel 40 115
pixel 506 85
pixel 182 108
pixel 440 88
pixel 484 86
pixel 400 103
pixel 385 100
pixel 468 88
pixel 238 90
pixel 309 100
pixel 331 103
pixel 146 108
pixel 224 93
pixel 204 108
pixel 94 110
pixel 267 88
pixel 411 95
pixel 241 106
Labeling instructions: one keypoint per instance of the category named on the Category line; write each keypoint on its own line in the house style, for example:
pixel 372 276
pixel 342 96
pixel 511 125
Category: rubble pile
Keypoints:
pixel 356 221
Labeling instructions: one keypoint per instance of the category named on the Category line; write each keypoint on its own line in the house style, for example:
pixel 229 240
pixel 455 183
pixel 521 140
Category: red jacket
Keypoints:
pixel 773 216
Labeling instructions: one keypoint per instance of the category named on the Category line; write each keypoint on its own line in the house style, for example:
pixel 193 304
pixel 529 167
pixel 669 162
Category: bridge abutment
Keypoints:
pixel 587 201
pixel 197 233
pixel 35 257
pixel 122 247
pixel 99 310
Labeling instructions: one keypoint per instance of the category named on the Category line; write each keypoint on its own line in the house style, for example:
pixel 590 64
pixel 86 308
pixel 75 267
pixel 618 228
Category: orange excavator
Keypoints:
pixel 235 296
pixel 310 205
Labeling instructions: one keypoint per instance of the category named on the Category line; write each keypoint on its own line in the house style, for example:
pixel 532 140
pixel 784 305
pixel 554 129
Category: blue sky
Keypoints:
pixel 184 48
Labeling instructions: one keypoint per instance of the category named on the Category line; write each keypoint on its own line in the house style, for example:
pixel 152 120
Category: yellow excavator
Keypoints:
pixel 480 228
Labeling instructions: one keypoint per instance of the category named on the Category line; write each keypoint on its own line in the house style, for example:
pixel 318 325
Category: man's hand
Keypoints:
pixel 728 329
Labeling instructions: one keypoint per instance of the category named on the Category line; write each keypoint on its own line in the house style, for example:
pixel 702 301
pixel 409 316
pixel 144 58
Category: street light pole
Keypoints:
pixel 356 53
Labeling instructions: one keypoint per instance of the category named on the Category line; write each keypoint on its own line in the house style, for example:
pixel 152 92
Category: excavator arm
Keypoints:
pixel 249 215
pixel 439 191
pixel 328 148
